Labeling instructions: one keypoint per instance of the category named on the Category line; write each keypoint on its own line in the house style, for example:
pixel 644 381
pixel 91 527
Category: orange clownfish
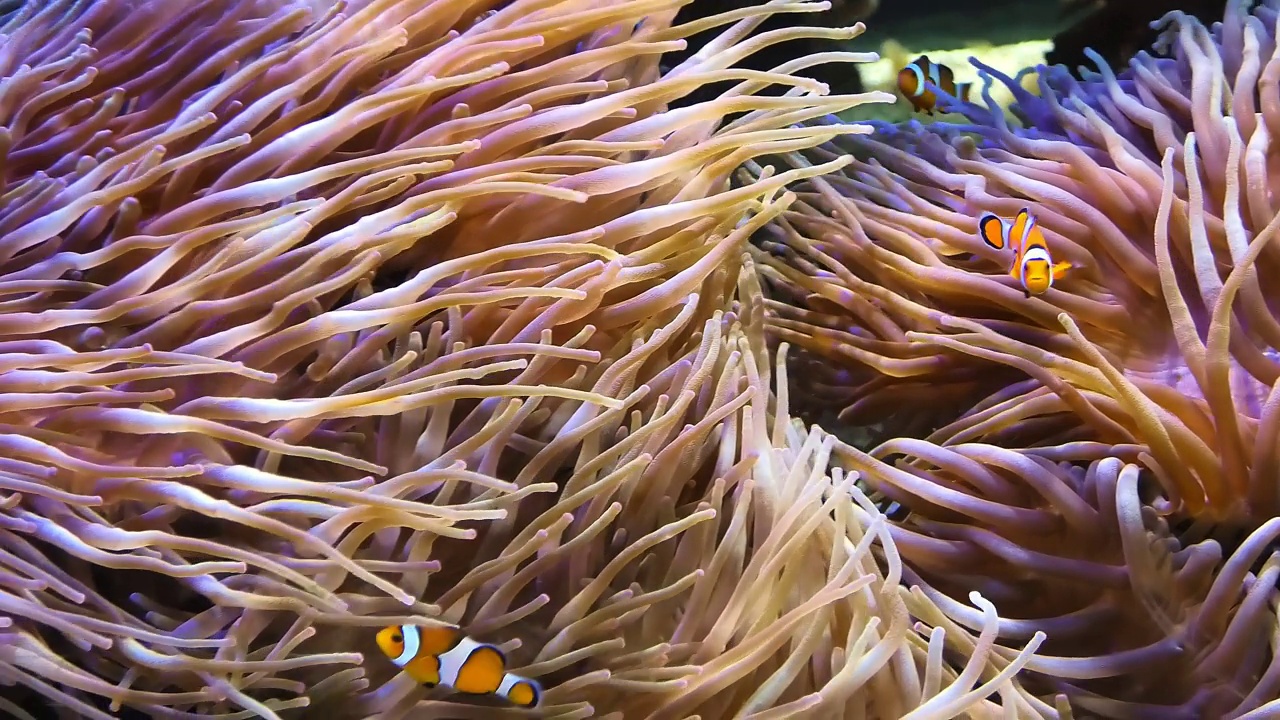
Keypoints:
pixel 443 655
pixel 1033 266
pixel 911 81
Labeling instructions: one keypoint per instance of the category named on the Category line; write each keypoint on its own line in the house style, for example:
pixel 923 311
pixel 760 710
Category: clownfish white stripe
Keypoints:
pixel 411 644
pixel 1036 253
pixel 919 80
pixel 933 75
pixel 451 661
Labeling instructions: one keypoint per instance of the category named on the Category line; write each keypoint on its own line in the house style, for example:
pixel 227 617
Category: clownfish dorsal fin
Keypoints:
pixel 1018 231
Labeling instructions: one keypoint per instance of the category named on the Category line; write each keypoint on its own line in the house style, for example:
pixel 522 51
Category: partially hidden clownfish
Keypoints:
pixel 1033 266
pixel 912 78
pixel 443 655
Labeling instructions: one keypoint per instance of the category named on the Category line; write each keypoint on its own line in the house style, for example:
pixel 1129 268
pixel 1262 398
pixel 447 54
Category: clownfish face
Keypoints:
pixel 1037 271
pixel 391 641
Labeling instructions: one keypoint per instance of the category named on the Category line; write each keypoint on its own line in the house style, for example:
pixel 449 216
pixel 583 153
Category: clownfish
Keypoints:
pixel 443 655
pixel 911 81
pixel 1033 266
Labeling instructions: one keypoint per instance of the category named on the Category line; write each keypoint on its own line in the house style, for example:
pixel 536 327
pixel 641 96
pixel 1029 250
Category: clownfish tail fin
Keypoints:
pixel 991 230
pixel 963 91
pixel 520 691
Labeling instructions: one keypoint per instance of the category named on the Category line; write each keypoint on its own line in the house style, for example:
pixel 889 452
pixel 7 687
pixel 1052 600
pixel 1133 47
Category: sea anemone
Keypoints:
pixel 319 317
pixel 1100 460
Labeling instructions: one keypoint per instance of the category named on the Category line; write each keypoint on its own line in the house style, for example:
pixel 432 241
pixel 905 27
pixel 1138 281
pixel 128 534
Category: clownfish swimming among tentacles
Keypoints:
pixel 1033 266
pixel 911 81
pixel 443 655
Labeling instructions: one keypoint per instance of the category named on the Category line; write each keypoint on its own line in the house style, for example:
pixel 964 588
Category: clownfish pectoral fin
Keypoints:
pixel 1060 269
pixel 992 230
pixel 482 671
pixel 424 669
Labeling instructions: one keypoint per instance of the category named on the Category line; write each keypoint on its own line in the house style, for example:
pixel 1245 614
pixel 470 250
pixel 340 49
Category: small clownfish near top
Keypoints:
pixel 1033 266
pixel 443 655
pixel 911 81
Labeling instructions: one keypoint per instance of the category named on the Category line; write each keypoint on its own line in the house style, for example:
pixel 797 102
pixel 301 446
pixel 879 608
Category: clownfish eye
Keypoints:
pixel 397 638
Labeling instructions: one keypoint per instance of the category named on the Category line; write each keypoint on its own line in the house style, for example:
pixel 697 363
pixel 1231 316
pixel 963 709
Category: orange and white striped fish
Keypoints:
pixel 911 81
pixel 1033 266
pixel 443 655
